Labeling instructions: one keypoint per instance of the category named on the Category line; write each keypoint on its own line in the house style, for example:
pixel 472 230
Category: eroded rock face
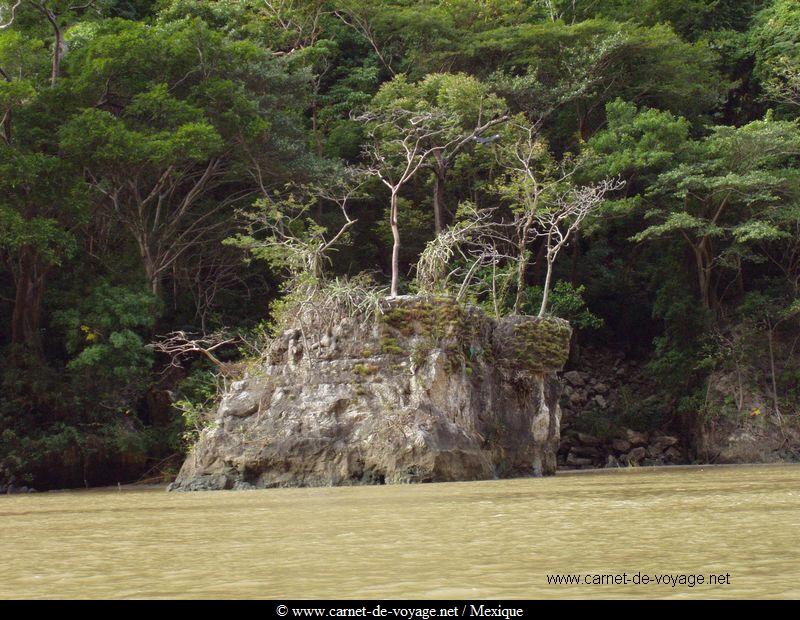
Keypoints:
pixel 430 391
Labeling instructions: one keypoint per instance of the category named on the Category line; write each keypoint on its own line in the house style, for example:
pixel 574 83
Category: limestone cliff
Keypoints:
pixel 429 391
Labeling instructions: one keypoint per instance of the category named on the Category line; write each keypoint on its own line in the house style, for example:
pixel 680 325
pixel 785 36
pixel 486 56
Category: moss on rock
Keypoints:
pixel 417 325
pixel 431 317
pixel 532 343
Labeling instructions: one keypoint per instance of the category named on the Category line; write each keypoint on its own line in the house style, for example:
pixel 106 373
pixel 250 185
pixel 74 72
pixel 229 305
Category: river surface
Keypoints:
pixel 463 540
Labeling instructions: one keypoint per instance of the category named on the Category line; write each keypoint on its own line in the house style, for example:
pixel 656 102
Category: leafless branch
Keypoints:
pixel 11 17
pixel 180 345
pixel 362 25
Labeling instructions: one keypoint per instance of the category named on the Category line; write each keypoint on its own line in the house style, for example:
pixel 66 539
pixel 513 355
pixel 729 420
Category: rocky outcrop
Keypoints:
pixel 598 402
pixel 12 489
pixel 601 386
pixel 608 395
pixel 743 426
pixel 622 449
pixel 431 390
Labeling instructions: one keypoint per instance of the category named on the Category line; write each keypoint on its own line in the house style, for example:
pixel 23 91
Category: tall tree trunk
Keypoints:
pixel 27 310
pixel 58 40
pixel 703 274
pixel 7 127
pixel 439 179
pixel 153 279
pixel 57 51
pixel 395 246
pixel 522 263
pixel 771 348
pixel 151 272
pixel 546 289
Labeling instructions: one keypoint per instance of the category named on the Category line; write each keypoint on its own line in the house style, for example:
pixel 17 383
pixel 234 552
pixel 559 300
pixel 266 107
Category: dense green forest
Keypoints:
pixel 177 171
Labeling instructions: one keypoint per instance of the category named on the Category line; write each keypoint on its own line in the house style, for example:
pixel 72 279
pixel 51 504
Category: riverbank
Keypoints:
pixel 560 472
pixel 688 467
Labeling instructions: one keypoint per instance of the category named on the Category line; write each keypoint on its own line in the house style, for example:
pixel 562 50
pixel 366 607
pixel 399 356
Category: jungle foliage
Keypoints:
pixel 188 166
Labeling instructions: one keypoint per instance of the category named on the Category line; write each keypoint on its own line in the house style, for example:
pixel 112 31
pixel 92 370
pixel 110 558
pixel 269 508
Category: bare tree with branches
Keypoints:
pixel 400 142
pixel 12 14
pixel 444 157
pixel 563 218
pixel 163 213
pixel 299 20
pixel 532 175
pixel 548 206
pixel 207 272
pixel 283 232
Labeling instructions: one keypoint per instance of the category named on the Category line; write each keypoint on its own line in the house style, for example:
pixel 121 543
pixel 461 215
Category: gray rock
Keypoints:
pixel 573 377
pixel 243 486
pixel 601 401
pixel 588 452
pixel 635 456
pixel 242 400
pixel 468 398
pixel 665 441
pixel 588 440
pixel 653 451
pixel 636 438
pixel 12 489
pixel 659 445
pixel 621 445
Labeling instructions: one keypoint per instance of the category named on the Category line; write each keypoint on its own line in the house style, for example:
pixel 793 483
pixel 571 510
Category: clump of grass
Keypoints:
pixel 365 369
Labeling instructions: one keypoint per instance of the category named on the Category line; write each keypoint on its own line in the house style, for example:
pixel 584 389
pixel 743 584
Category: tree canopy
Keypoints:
pixel 187 166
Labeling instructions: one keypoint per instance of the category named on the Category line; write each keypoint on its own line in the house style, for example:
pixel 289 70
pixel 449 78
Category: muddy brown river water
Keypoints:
pixel 464 540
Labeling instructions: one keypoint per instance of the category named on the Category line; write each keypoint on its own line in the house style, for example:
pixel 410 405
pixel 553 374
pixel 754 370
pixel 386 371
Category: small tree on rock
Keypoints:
pixel 547 205
pixel 401 139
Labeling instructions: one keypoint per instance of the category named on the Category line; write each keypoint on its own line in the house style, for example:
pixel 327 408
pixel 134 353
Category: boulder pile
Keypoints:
pixel 595 392
pixel 624 449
